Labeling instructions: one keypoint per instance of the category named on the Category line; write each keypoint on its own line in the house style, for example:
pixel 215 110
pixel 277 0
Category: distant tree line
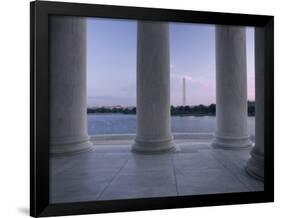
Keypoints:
pixel 117 110
pixel 198 110
pixel 251 108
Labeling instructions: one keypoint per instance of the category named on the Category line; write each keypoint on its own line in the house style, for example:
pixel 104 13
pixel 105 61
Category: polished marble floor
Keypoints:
pixel 112 171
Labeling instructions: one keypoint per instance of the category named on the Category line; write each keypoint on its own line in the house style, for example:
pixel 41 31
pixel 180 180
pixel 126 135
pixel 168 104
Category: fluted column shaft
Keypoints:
pixel 153 88
pixel 68 116
pixel 231 88
pixel 255 165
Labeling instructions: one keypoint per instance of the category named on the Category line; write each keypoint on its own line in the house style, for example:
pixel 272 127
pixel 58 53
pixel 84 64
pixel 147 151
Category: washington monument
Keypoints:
pixel 183 92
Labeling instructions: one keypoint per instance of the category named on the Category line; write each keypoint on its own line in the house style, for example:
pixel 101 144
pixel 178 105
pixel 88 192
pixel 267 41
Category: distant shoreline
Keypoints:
pixel 197 110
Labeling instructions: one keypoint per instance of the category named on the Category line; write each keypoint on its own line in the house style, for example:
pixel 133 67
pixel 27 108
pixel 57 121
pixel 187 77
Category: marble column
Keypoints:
pixel 232 130
pixel 255 165
pixel 68 118
pixel 153 88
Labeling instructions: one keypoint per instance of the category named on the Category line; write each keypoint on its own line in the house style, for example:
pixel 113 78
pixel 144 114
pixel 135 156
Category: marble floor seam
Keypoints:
pixel 114 177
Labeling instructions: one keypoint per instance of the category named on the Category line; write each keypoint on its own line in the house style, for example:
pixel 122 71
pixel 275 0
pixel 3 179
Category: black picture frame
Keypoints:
pixel 39 108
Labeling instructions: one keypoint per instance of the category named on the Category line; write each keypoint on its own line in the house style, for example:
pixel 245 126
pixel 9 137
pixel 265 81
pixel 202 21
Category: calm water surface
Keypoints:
pixel 121 123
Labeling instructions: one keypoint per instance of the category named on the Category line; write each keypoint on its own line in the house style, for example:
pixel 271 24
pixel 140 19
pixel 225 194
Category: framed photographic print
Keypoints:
pixel 141 109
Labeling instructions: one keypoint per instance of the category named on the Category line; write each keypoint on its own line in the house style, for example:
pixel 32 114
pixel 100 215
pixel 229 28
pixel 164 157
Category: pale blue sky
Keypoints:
pixel 111 62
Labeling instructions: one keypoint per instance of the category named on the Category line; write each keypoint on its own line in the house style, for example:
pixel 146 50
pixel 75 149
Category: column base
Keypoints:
pixel 70 147
pixel 255 167
pixel 232 142
pixel 153 146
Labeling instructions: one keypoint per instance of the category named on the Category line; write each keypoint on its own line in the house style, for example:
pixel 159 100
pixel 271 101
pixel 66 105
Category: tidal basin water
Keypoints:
pixel 121 123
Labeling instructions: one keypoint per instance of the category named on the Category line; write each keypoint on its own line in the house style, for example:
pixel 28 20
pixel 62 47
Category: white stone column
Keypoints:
pixel 68 118
pixel 231 88
pixel 153 88
pixel 255 165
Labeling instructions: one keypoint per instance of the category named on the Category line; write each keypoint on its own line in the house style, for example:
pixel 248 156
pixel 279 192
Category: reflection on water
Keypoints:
pixel 120 123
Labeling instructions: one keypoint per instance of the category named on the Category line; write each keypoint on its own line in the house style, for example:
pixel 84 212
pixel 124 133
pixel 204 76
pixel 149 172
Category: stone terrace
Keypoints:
pixel 112 171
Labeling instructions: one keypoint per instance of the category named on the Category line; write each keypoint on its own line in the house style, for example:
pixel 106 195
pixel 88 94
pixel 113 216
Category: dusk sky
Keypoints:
pixel 111 62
